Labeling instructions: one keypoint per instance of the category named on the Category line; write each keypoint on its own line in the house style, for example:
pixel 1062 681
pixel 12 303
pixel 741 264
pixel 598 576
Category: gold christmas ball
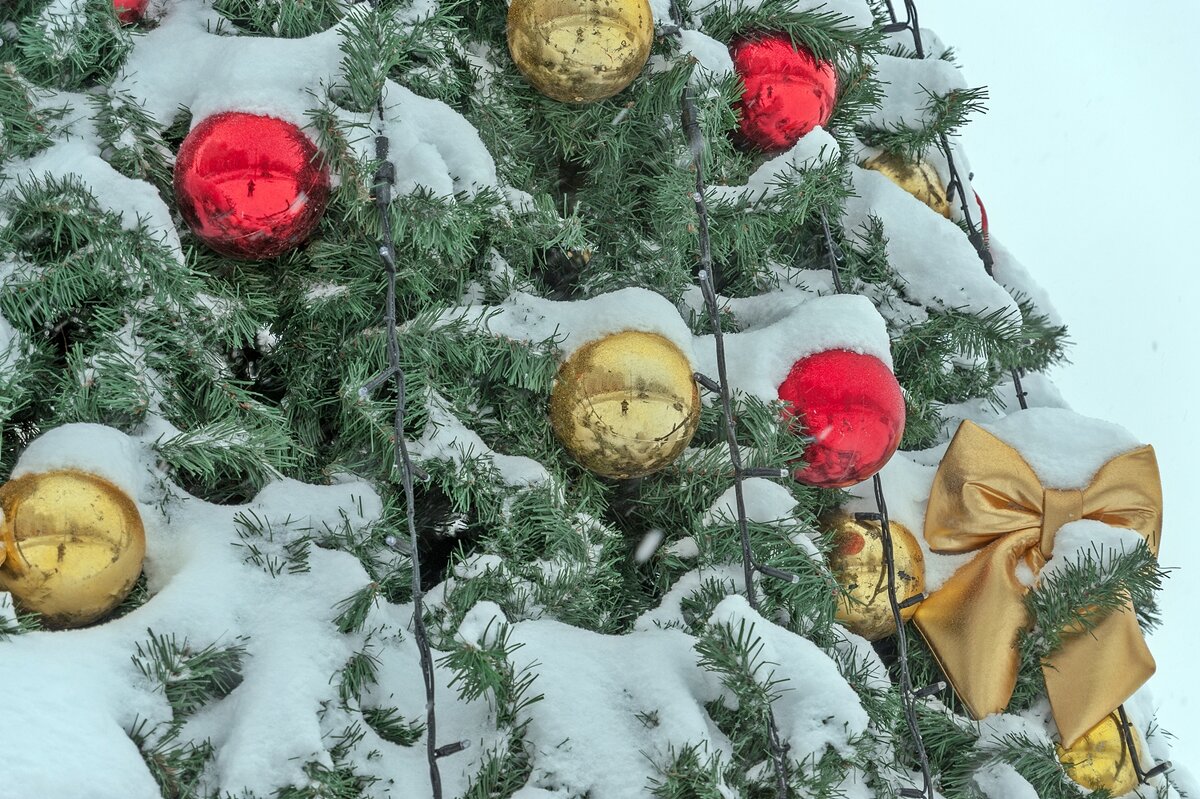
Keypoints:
pixel 580 51
pixel 73 545
pixel 919 179
pixel 858 564
pixel 625 405
pixel 1101 758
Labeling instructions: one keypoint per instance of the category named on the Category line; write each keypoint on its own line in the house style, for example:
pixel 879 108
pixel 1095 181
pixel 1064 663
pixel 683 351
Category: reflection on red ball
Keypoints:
pixel 852 407
pixel 250 186
pixel 130 11
pixel 983 226
pixel 787 91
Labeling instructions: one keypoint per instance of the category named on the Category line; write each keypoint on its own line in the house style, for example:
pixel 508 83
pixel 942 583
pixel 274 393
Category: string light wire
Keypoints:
pixel 385 177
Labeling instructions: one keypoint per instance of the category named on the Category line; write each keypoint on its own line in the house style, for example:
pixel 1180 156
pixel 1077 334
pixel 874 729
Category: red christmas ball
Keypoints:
pixel 130 11
pixel 787 91
pixel 983 226
pixel 852 407
pixel 250 186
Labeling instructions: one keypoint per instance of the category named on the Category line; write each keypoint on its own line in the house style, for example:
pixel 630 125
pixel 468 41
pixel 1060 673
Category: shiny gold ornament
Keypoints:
pixel 580 51
pixel 858 564
pixel 73 545
pixel 987 500
pixel 625 405
pixel 919 179
pixel 1101 758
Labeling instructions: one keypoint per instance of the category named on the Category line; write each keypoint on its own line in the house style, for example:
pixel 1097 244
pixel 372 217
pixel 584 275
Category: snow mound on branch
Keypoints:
pixel 776 330
pixel 136 202
pixel 1040 392
pixel 1001 781
pixel 614 707
pixel 447 438
pixel 1013 275
pixel 404 769
pixel 1064 448
pixel 816 707
pixel 532 319
pixel 713 61
pixel 930 42
pixel 813 149
pixel 936 263
pixel 908 85
pixel 765 502
pixel 906 484
pixel 1088 537
pixel 670 610
pixel 90 448
pixel 433 146
pixel 182 63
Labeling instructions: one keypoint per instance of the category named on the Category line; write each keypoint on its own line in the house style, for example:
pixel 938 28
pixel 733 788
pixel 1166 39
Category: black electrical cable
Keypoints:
pixel 385 175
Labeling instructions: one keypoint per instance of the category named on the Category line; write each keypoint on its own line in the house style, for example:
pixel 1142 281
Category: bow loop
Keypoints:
pixel 987 500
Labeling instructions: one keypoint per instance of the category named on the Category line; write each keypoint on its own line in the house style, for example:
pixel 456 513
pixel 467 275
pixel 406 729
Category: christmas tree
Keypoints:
pixel 553 398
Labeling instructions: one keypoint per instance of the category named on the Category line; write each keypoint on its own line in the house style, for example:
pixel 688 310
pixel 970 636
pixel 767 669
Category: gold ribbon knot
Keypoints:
pixel 987 500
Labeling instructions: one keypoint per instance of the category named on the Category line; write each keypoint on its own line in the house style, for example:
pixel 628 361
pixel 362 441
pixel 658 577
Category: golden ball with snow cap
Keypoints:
pixel 72 545
pixel 626 404
pixel 580 51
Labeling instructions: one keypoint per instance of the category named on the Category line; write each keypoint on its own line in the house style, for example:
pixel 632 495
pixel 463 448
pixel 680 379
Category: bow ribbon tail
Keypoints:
pixel 1095 671
pixel 973 621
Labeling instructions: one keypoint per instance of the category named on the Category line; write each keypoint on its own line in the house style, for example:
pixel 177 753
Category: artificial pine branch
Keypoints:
pixel 286 19
pixel 190 678
pixel 1075 597
pixel 827 34
pixel 176 766
pixel 944 115
pixel 74 50
pixel 27 124
pixel 389 725
pixel 1038 763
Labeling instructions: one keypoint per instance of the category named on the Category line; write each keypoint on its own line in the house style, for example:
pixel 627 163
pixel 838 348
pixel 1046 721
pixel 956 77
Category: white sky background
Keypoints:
pixel 1088 163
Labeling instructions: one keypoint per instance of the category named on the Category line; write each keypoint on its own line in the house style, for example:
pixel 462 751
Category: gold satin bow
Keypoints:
pixel 986 499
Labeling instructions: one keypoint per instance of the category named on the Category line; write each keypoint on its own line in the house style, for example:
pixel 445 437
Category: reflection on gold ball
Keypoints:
pixel 580 51
pixel 858 564
pixel 919 179
pixel 73 546
pixel 1100 759
pixel 625 405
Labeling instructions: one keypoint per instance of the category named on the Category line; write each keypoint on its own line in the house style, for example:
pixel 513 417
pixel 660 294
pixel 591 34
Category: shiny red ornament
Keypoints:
pixel 130 12
pixel 250 186
pixel 787 91
pixel 852 407
pixel 983 225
